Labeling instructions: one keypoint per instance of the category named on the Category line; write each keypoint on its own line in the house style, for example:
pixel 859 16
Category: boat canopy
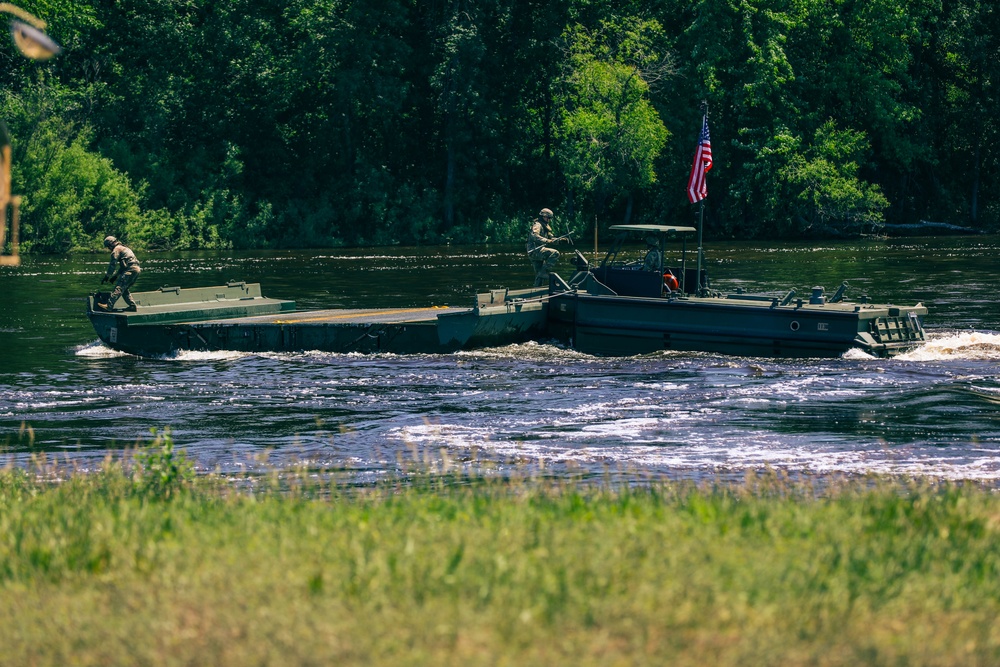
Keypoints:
pixel 656 229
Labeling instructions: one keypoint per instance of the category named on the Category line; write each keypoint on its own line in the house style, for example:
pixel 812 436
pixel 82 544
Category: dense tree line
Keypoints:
pixel 264 123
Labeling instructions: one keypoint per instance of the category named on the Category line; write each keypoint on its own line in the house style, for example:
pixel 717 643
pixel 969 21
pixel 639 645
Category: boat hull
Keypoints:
pixel 607 324
pixel 236 317
pixel 588 316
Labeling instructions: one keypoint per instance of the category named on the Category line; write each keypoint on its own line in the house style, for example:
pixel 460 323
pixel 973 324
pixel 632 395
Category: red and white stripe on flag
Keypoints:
pixel 697 189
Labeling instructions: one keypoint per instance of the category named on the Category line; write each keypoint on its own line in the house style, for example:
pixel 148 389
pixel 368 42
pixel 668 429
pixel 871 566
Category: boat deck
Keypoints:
pixel 236 317
pixel 347 316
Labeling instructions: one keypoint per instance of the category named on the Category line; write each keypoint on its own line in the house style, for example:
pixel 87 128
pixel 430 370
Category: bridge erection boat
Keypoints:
pixel 623 306
pixel 633 307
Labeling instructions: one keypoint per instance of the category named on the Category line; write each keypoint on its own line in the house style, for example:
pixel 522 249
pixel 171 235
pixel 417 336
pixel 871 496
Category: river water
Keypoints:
pixel 933 413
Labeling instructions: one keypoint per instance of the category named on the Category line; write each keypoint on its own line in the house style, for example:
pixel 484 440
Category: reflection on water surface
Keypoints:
pixel 933 412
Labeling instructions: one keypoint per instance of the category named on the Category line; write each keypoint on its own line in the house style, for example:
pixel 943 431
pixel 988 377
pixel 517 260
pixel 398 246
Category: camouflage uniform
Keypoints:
pixel 124 259
pixel 654 258
pixel 542 257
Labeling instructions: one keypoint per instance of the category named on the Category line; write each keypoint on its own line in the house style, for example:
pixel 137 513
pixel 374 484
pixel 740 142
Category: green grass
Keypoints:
pixel 110 568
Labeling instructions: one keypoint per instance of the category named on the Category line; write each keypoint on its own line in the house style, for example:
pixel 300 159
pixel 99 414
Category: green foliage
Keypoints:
pixel 70 193
pixel 609 132
pixel 815 188
pixel 328 122
pixel 827 192
pixel 163 472
pixel 75 193
pixel 446 569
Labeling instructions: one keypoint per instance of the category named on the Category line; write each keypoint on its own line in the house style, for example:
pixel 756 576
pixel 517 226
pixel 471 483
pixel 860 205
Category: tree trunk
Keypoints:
pixel 974 204
pixel 449 187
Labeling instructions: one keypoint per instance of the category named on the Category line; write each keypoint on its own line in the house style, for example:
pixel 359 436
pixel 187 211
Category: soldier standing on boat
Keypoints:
pixel 654 258
pixel 542 257
pixel 123 260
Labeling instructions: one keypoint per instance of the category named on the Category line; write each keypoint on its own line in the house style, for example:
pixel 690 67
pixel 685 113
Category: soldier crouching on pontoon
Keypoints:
pixel 542 257
pixel 123 260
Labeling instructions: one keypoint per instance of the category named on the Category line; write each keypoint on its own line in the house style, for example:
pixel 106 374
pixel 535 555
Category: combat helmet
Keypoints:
pixel 545 213
pixel 110 242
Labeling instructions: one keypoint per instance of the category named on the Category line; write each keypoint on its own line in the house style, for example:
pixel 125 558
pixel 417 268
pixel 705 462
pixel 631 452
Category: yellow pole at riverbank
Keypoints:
pixel 7 201
pixel 29 37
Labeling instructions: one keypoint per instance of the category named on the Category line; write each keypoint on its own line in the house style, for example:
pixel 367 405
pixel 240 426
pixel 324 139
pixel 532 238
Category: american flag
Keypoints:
pixel 697 189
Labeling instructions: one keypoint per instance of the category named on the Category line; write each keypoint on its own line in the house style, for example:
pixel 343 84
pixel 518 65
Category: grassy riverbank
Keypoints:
pixel 111 568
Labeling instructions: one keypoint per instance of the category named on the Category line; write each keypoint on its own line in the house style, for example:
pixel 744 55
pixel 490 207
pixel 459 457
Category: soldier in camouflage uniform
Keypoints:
pixel 654 258
pixel 123 260
pixel 542 257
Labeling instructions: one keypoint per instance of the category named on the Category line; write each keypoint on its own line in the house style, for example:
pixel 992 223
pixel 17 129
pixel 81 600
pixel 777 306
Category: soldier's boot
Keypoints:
pixel 115 295
pixel 541 274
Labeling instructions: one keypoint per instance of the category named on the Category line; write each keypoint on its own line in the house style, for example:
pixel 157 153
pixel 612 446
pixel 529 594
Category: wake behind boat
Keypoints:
pixel 626 305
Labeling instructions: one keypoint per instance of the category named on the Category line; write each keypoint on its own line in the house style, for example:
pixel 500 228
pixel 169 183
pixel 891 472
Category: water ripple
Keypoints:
pixel 932 412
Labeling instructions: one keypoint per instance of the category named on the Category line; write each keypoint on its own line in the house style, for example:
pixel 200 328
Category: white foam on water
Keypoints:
pixel 974 345
pixel 531 350
pixel 97 350
pixel 204 355
pixel 642 446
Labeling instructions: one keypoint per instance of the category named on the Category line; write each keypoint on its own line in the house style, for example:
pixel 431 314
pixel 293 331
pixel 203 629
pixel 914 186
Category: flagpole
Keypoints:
pixel 701 214
pixel 701 226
